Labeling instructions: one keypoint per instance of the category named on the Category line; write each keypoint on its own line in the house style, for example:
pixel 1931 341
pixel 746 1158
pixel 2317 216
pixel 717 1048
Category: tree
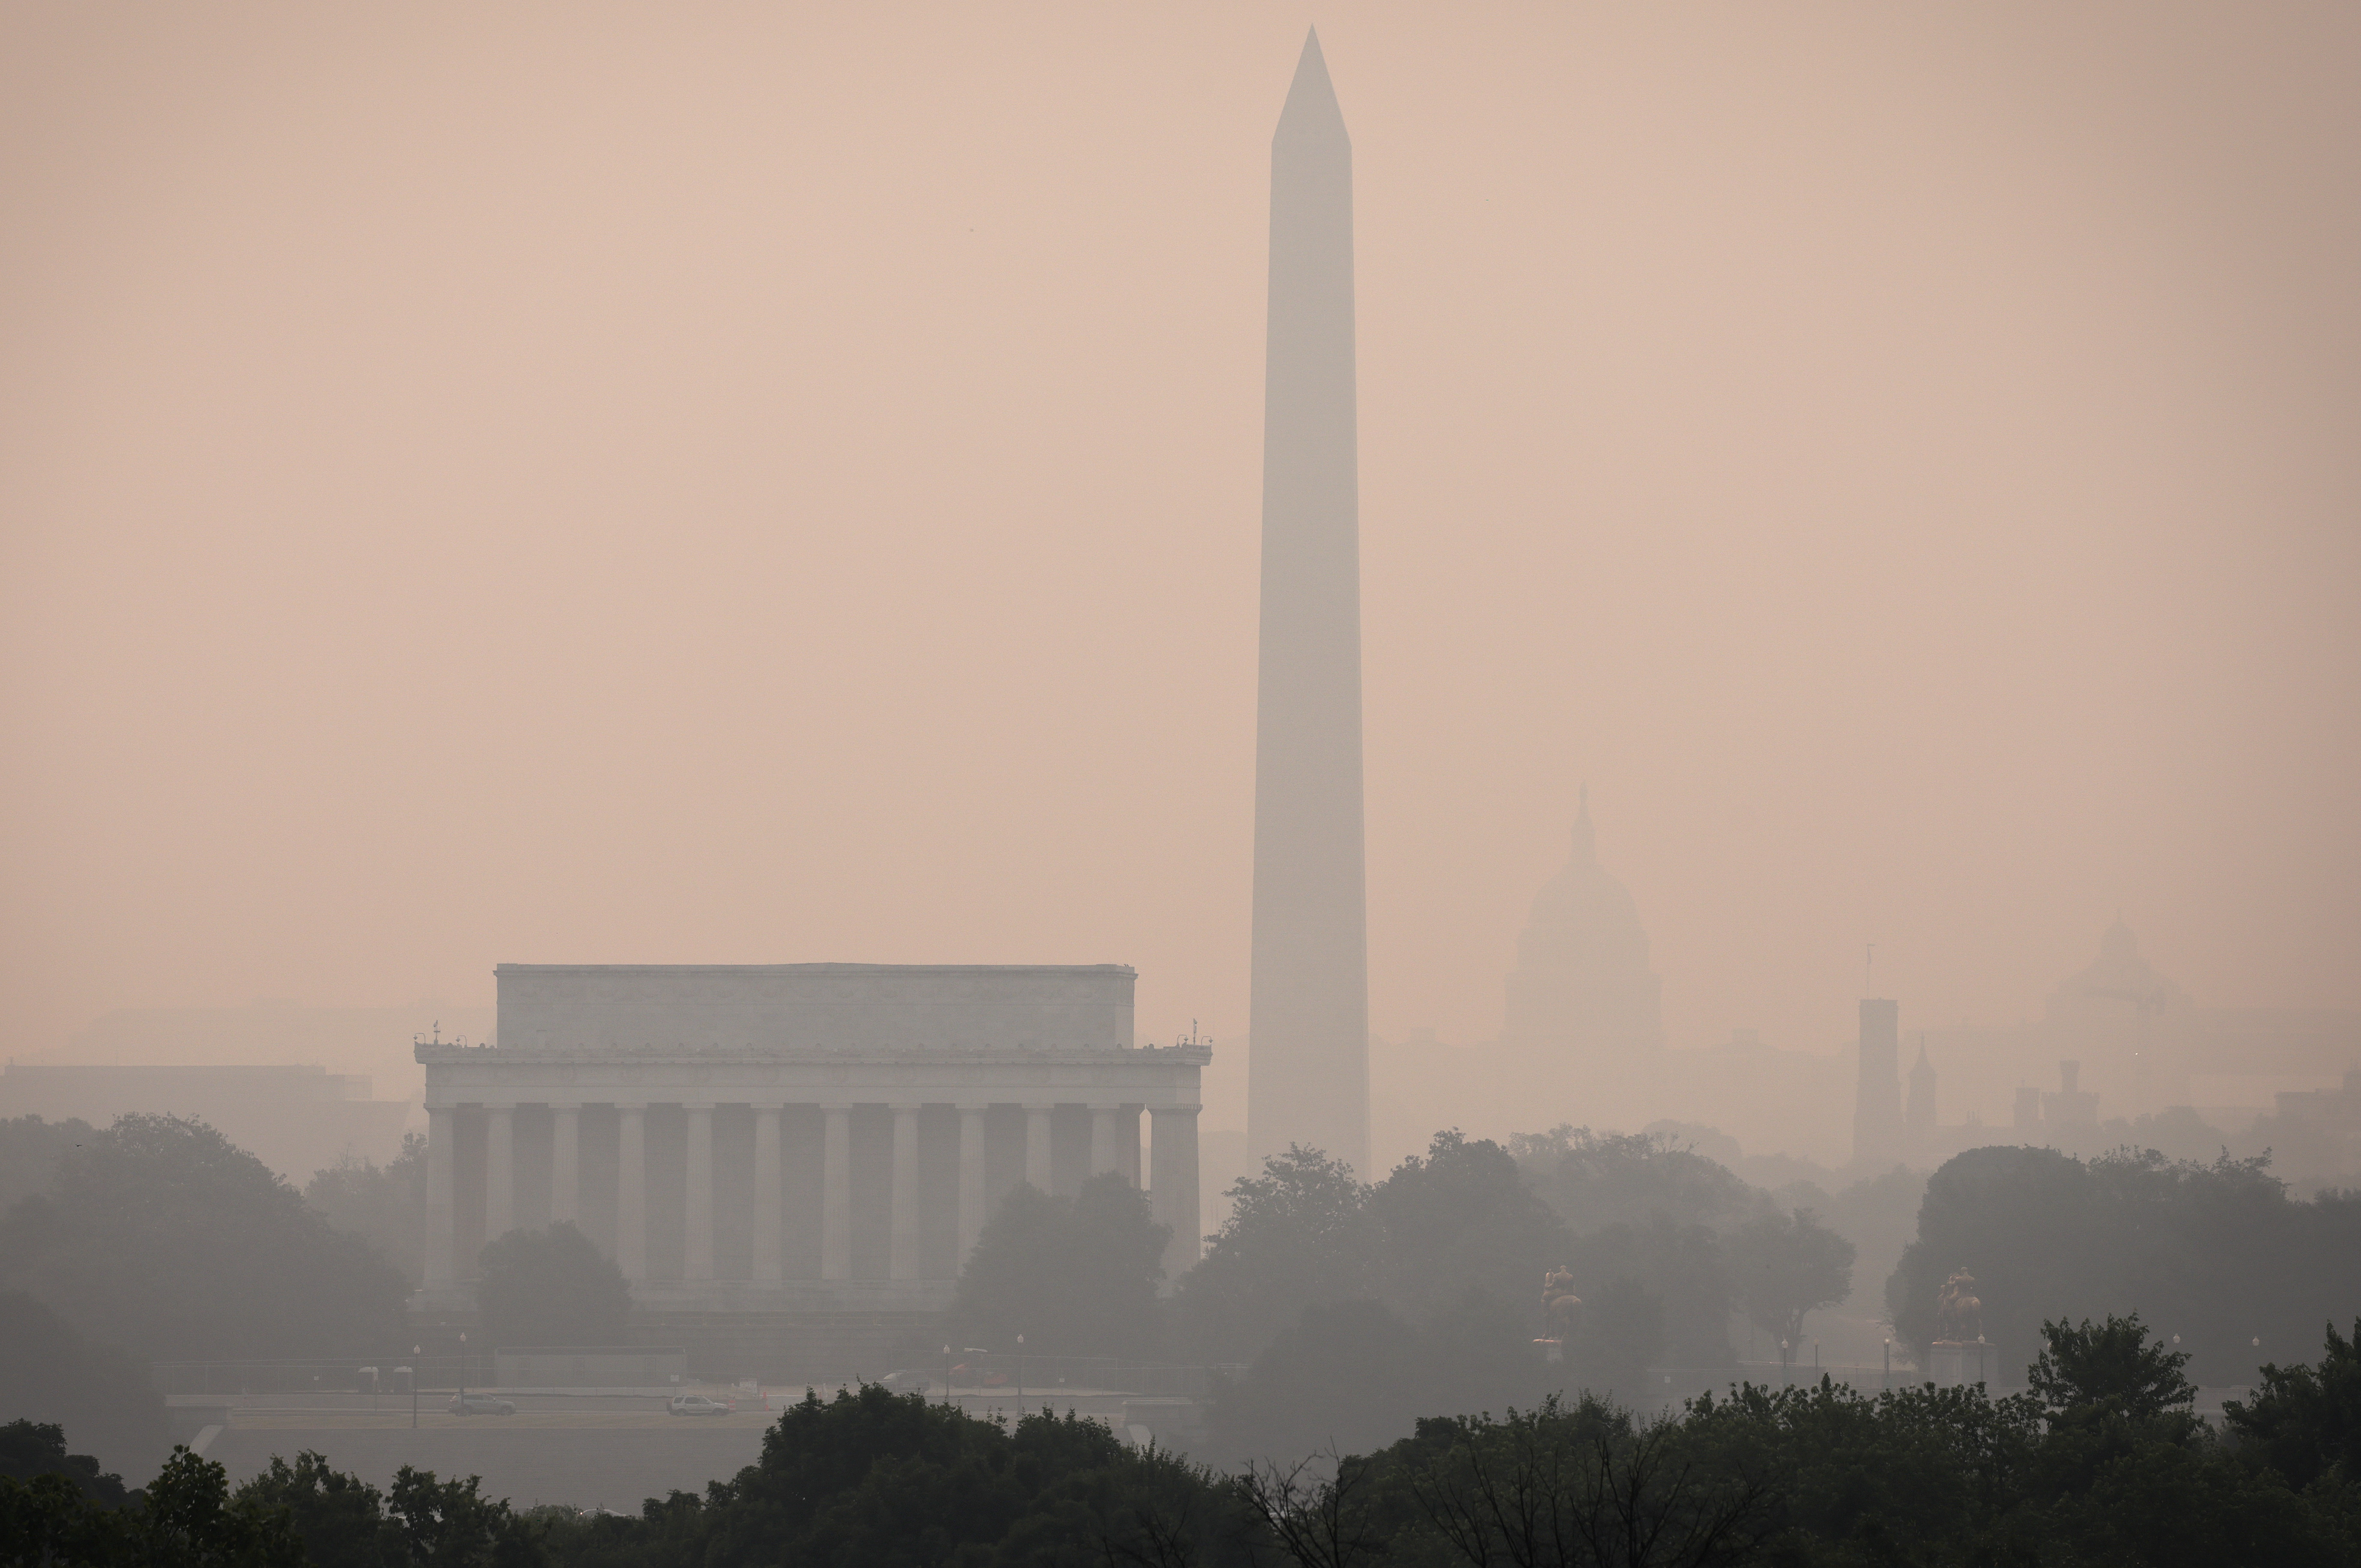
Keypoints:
pixel 1460 1218
pixel 1604 1178
pixel 2305 1420
pixel 161 1236
pixel 35 1448
pixel 2217 1254
pixel 551 1288
pixel 30 1149
pixel 49 1373
pixel 2111 1369
pixel 1075 1275
pixel 384 1205
pixel 1298 1234
pixel 1784 1266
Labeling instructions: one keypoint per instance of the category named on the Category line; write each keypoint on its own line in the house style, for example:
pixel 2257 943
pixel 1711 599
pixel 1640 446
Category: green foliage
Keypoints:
pixel 2217 1254
pixel 49 1373
pixel 1461 1218
pixel 187 1517
pixel 1075 1275
pixel 30 1149
pixel 383 1204
pixel 160 1236
pixel 551 1286
pixel 1784 1266
pixel 872 1477
pixel 1298 1236
pixel 2306 1420
pixel 32 1448
pixel 2109 1369
pixel 1606 1178
pixel 1351 1376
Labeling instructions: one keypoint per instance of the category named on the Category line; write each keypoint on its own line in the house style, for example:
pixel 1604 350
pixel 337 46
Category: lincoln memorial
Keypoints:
pixel 795 1139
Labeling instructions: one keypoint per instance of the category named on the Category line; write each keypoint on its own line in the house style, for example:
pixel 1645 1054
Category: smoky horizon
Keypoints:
pixel 1846 507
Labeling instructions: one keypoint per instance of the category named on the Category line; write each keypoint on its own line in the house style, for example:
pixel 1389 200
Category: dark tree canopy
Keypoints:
pixel 1605 1178
pixel 1297 1235
pixel 2307 1419
pixel 2218 1254
pixel 1075 1275
pixel 383 1204
pixel 30 1149
pixel 551 1286
pixel 1461 1218
pixel 2109 1369
pixel 1784 1266
pixel 49 1373
pixel 161 1236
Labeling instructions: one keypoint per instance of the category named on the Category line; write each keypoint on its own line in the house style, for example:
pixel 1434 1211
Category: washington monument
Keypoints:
pixel 1308 1068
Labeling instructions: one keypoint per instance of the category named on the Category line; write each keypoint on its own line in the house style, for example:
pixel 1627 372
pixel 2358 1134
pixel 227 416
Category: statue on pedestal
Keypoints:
pixel 1958 1315
pixel 1559 1304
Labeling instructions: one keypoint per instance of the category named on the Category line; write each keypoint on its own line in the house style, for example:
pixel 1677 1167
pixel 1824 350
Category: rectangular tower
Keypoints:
pixel 1308 1067
pixel 1877 1100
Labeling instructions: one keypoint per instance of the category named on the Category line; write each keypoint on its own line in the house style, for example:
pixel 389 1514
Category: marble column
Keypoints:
pixel 836 1193
pixel 698 1260
pixel 1127 1144
pixel 1172 1190
pixel 1036 1146
pixel 971 1194
pixel 565 1165
pixel 905 1259
pixel 768 1267
pixel 441 1267
pixel 1102 1144
pixel 500 1171
pixel 632 1194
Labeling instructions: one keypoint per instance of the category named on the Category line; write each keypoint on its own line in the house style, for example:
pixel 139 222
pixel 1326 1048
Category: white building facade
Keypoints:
pixel 796 1137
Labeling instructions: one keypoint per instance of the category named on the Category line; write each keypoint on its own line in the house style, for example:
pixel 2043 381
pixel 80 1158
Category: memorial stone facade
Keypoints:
pixel 796 1137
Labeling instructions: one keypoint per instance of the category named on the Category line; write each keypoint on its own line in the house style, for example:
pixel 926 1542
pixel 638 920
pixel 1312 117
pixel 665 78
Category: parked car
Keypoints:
pixel 479 1404
pixel 906 1382
pixel 698 1405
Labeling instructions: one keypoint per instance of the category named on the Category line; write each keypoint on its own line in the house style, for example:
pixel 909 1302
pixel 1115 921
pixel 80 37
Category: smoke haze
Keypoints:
pixel 593 486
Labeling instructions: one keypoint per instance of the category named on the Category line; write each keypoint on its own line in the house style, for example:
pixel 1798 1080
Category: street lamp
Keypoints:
pixel 1889 1365
pixel 417 1355
pixel 463 1372
pixel 1020 1377
pixel 947 1375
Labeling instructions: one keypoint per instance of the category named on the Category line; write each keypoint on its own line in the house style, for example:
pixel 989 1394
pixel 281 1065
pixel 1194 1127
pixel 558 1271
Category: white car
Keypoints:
pixel 698 1405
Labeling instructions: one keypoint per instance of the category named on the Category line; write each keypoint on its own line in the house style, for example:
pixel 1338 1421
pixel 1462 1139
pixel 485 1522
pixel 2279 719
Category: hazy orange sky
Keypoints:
pixel 745 484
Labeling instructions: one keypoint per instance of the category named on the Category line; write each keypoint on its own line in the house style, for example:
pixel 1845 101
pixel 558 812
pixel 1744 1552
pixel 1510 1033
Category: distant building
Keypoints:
pixel 295 1119
pixel 1584 1002
pixel 1877 1126
pixel 2070 1104
pixel 1920 1113
pixel 807 1149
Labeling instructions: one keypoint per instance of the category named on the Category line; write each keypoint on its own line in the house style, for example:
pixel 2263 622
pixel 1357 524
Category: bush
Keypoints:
pixel 1075 1275
pixel 551 1288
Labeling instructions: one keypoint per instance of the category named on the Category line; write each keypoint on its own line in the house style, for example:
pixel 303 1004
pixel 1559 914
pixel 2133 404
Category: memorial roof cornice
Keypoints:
pixel 1194 1055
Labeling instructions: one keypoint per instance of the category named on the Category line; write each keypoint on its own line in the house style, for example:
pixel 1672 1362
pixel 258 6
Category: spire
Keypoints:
pixel 1311 110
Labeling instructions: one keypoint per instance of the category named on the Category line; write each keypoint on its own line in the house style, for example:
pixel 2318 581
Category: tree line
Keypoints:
pixel 2101 1461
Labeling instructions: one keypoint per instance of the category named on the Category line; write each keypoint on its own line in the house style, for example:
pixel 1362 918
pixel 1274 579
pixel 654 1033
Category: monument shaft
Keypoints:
pixel 1308 1071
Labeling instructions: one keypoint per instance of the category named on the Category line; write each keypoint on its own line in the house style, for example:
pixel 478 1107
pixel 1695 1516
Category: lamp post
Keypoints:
pixel 947 1375
pixel 463 1372
pixel 417 1355
pixel 1786 1377
pixel 1020 1377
